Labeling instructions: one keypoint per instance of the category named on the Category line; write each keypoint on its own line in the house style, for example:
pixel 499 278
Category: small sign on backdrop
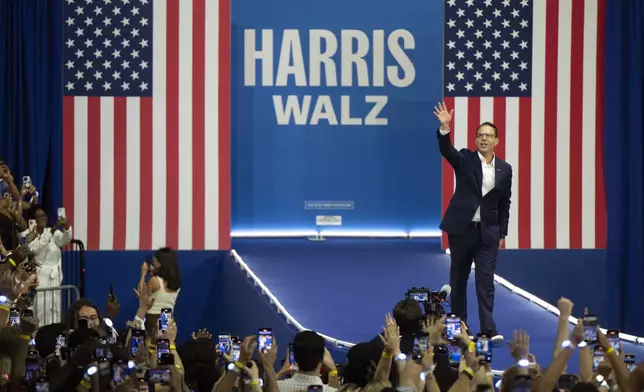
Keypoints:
pixel 328 220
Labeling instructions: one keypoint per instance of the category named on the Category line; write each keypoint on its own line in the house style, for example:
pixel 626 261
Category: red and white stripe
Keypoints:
pixel 142 173
pixel 553 140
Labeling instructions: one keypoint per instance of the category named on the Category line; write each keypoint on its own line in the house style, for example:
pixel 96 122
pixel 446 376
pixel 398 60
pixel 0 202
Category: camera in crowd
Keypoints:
pixel 431 301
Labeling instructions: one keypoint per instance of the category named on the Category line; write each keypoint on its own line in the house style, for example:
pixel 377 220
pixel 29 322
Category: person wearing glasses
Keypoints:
pixel 476 220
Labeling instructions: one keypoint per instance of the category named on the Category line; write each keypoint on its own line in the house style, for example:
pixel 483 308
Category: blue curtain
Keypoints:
pixel 623 163
pixel 31 94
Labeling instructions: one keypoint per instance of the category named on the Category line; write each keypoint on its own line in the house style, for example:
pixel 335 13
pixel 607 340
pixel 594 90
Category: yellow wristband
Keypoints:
pixel 333 373
pixel 239 365
pixel 468 371
pixel 386 356
pixel 472 347
pixel 152 351
pixel 173 347
pixel 5 308
pixel 10 260
pixel 254 382
pixel 86 385
pixel 610 351
pixel 25 337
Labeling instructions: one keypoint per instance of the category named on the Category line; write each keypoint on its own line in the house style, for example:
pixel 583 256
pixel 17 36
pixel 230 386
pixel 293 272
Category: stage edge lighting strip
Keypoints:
pixel 335 233
pixel 280 308
pixel 551 308
pixel 289 318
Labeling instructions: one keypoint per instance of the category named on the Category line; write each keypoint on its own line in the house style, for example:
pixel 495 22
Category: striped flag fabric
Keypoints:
pixel 535 69
pixel 146 123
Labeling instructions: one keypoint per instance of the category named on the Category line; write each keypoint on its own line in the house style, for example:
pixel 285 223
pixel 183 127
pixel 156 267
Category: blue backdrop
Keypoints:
pixel 624 165
pixel 31 94
pixel 388 176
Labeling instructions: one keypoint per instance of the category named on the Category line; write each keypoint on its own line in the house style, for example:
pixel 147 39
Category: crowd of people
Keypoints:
pixel 44 348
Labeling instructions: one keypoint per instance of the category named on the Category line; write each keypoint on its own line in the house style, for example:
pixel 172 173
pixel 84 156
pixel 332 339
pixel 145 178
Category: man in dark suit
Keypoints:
pixel 476 221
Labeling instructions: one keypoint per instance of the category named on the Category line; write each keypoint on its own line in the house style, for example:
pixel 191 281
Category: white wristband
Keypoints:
pixel 140 321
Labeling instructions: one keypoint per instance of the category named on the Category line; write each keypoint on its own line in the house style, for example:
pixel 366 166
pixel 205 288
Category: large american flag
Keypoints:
pixel 535 69
pixel 146 123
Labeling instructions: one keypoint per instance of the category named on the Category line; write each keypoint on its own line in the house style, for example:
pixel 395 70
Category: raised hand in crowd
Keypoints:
pixel 251 369
pixel 435 326
pixel 10 286
pixel 5 174
pixel 112 307
pixel 202 334
pixel 390 336
pixel 520 345
pixel 145 300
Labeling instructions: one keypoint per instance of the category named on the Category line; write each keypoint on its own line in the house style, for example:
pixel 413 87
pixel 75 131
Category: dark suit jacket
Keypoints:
pixel 495 206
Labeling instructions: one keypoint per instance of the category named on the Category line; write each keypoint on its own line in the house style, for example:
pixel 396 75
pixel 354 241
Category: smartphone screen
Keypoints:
pixel 61 213
pixel 613 339
pixel 166 360
pixel 164 319
pixel 590 329
pixel 483 348
pixel 291 357
pixel 102 353
pixel 454 353
pixel 14 317
pixel 629 361
pixel 61 344
pixel 418 296
pixel 163 347
pixel 236 348
pixel 120 371
pixel 159 376
pixel 421 344
pixel 452 326
pixel 32 369
pixel 42 386
pixel 265 339
pixel 224 343
pixel 598 356
pixel 137 339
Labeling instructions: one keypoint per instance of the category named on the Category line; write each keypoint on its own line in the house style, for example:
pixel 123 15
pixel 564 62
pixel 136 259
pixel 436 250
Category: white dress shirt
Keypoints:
pixel 300 383
pixel 489 177
pixel 487 184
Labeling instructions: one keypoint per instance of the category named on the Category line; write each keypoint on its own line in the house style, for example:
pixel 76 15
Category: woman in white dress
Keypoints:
pixel 46 244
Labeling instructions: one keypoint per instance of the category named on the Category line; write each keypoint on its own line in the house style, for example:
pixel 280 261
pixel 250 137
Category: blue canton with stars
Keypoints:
pixel 107 48
pixel 488 48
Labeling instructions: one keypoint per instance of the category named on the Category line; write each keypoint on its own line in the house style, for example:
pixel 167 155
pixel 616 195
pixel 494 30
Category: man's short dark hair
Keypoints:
pixel 308 350
pixel 408 315
pixel 489 124
pixel 584 387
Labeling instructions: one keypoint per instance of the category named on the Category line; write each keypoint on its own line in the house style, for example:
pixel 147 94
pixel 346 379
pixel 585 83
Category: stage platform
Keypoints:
pixel 343 288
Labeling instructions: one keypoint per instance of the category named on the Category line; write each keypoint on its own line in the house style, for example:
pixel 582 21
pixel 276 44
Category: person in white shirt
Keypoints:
pixel 164 284
pixel 46 244
pixel 310 355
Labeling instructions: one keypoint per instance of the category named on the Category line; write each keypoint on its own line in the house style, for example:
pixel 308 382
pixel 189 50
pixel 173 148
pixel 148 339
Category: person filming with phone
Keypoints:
pixel 46 243
pixel 163 286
